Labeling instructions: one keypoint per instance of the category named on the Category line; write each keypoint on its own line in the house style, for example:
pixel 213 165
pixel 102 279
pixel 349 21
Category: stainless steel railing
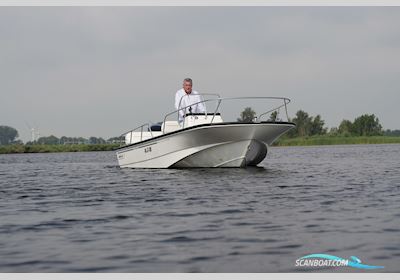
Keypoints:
pixel 133 130
pixel 219 100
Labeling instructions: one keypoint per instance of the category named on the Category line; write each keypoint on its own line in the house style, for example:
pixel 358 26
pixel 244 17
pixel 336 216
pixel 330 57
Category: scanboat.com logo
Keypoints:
pixel 319 260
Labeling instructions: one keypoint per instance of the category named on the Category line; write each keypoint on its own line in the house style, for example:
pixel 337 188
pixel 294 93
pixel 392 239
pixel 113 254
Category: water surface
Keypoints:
pixel 78 212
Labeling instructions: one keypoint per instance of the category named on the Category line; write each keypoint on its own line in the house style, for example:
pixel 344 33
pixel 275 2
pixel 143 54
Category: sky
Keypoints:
pixel 100 71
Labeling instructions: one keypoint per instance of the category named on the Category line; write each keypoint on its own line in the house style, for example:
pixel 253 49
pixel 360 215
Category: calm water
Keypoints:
pixel 78 212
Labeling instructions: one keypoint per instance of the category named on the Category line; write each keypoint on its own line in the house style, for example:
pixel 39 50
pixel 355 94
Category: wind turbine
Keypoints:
pixel 34 132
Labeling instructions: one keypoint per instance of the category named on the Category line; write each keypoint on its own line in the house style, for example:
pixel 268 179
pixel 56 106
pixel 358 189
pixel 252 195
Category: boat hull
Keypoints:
pixel 216 145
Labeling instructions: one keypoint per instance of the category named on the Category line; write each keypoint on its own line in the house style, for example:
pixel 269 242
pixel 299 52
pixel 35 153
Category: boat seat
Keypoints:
pixel 198 119
pixel 137 136
pixel 170 126
pixel 155 127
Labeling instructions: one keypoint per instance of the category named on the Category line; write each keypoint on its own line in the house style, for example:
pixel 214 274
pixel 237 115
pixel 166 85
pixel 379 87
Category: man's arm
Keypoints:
pixel 177 99
pixel 178 103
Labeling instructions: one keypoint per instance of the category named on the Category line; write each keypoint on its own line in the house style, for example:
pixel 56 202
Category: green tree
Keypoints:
pixel 389 132
pixel 307 125
pixel 274 116
pixel 116 139
pixel 64 140
pixel 303 123
pixel 7 135
pixel 247 115
pixel 345 127
pixel 82 140
pixel 334 131
pixel 95 140
pixel 317 126
pixel 367 125
pixel 49 140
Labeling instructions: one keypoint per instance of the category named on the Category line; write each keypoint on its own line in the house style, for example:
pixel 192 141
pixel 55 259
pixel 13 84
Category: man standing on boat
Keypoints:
pixel 186 97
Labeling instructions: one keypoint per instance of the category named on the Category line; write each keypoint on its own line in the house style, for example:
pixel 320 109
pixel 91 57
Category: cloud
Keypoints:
pixel 102 70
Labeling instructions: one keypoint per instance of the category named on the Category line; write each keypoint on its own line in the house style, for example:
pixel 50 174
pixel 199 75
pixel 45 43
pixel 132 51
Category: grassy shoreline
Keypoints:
pixel 20 149
pixel 336 140
pixel 282 142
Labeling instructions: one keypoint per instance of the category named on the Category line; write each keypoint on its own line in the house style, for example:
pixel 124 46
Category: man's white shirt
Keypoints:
pixel 182 100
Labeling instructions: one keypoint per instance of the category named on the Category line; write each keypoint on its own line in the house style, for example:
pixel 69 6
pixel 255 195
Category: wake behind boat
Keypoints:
pixel 203 139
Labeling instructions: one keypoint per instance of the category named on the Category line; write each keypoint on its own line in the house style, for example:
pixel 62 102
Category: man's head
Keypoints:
pixel 187 85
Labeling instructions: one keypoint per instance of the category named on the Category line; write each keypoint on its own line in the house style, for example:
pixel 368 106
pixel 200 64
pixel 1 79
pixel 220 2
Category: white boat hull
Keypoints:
pixel 216 145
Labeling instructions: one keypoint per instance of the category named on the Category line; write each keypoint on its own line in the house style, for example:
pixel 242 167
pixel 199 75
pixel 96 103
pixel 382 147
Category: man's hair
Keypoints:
pixel 189 80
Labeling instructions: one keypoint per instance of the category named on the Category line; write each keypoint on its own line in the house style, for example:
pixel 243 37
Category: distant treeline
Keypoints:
pixel 307 125
pixel 394 133
pixel 366 125
pixel 64 140
pixel 9 135
pixel 336 140
pixel 44 148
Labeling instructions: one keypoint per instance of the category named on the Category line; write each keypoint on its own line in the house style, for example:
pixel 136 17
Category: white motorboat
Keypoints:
pixel 202 140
